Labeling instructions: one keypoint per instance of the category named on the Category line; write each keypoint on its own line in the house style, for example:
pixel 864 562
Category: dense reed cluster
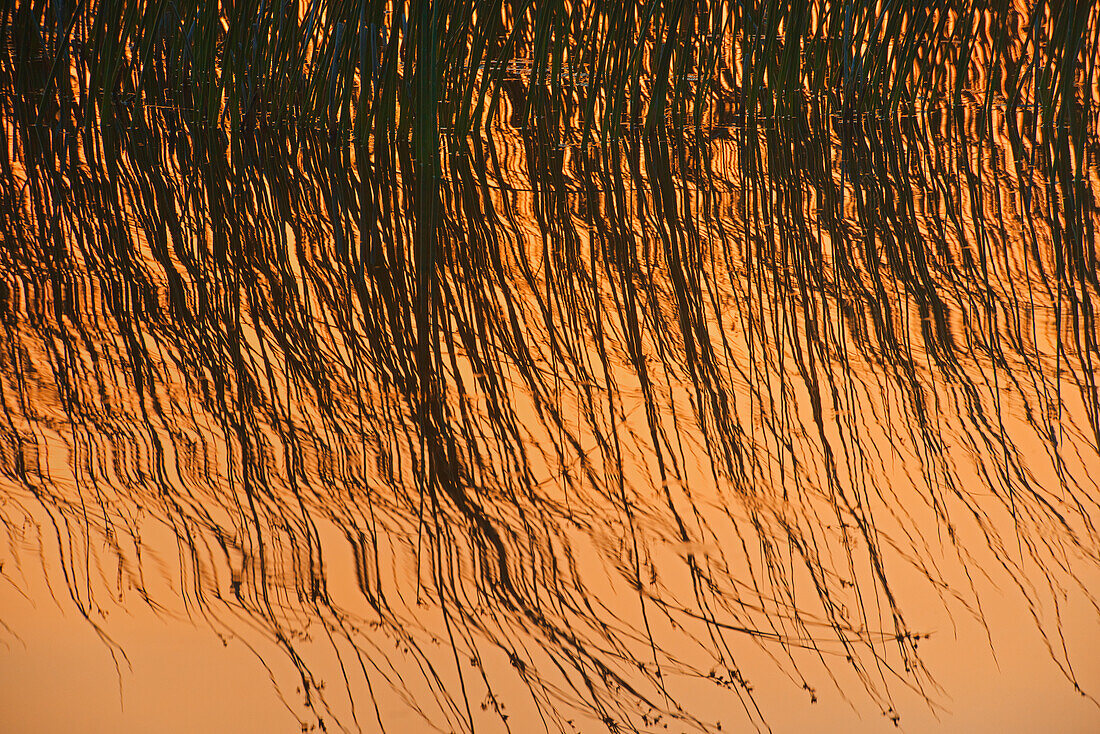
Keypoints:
pixel 380 69
pixel 628 337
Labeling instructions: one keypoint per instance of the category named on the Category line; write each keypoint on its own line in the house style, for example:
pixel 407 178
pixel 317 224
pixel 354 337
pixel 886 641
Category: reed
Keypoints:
pixel 613 340
pixel 374 69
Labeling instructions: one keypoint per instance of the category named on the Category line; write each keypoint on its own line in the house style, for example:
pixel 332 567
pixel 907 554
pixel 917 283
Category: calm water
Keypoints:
pixel 791 425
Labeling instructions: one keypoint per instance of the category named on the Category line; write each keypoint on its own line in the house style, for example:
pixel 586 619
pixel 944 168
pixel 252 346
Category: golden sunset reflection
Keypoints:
pixel 491 402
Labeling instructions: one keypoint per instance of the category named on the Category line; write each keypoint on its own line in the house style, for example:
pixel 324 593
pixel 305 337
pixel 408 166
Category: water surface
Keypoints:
pixel 786 422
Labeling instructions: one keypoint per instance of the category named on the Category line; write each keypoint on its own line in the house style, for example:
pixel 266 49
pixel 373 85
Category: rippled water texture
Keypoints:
pixel 714 406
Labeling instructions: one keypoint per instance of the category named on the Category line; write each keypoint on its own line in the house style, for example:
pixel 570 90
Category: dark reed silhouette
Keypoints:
pixel 612 338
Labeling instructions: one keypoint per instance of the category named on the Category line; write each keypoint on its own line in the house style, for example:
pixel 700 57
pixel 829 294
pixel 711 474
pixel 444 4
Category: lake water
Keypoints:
pixel 786 425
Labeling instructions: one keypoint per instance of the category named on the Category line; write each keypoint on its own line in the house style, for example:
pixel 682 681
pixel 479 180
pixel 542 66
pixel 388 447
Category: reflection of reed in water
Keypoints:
pixel 606 413
pixel 564 360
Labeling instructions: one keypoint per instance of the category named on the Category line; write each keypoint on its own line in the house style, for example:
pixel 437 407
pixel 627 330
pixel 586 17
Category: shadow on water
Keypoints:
pixel 592 414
